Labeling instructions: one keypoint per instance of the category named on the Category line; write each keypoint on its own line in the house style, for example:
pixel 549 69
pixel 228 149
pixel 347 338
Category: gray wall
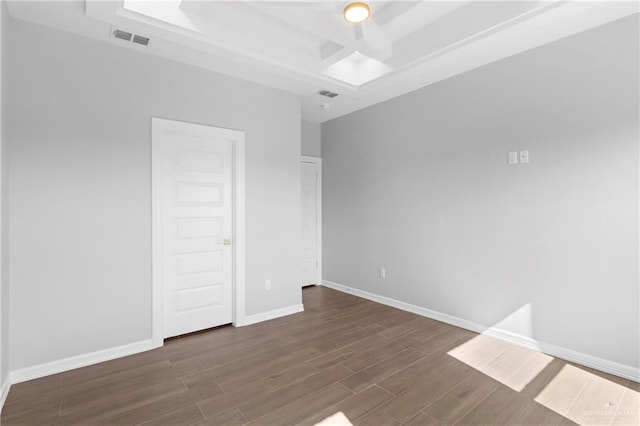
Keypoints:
pixel 420 185
pixel 311 139
pixel 4 209
pixel 79 120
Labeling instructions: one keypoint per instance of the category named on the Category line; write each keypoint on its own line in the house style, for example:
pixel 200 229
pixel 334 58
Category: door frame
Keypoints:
pixel 236 137
pixel 318 162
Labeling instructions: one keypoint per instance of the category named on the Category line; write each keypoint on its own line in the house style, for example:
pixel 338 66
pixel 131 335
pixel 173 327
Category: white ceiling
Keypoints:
pixel 306 46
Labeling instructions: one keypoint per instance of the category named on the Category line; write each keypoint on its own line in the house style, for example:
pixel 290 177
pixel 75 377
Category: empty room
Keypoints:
pixel 319 212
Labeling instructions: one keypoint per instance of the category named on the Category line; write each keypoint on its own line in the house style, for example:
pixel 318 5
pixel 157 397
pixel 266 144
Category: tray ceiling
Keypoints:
pixel 307 46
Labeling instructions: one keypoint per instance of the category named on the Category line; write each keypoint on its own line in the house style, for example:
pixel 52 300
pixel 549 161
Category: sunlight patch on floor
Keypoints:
pixel 588 399
pixel 511 365
pixel 338 419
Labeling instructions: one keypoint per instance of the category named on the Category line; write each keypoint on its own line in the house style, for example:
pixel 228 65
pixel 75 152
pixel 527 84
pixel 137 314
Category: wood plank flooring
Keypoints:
pixel 375 364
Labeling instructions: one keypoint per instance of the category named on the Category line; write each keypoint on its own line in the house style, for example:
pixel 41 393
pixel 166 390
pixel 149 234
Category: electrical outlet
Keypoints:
pixel 383 273
pixel 267 284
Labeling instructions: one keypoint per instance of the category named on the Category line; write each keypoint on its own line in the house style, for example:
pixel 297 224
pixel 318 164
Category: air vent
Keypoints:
pixel 140 40
pixel 128 36
pixel 122 35
pixel 327 93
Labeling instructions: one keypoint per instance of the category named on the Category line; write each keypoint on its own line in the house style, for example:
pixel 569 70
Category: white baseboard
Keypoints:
pixel 269 315
pixel 54 367
pixel 42 370
pixel 607 366
pixel 418 310
pixel 4 392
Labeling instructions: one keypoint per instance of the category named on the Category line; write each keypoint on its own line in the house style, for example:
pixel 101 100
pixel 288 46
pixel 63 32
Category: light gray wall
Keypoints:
pixel 420 185
pixel 79 120
pixel 4 210
pixel 311 141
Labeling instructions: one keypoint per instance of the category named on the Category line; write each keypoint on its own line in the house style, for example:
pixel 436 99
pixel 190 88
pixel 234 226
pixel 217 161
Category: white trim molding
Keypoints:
pixel 239 215
pixel 4 392
pixel 237 139
pixel 607 366
pixel 66 364
pixel 276 313
pixel 318 162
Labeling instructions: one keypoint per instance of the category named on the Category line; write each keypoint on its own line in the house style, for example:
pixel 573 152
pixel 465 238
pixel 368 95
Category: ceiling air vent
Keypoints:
pixel 141 40
pixel 327 93
pixel 128 36
pixel 122 35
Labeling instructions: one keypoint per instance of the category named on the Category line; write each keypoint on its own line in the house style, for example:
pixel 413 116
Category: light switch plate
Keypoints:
pixel 524 156
pixel 512 158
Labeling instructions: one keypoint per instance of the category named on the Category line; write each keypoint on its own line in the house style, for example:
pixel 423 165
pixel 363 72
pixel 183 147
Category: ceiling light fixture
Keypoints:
pixel 357 12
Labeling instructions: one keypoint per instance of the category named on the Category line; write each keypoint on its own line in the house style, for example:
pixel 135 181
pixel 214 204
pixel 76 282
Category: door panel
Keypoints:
pixel 195 191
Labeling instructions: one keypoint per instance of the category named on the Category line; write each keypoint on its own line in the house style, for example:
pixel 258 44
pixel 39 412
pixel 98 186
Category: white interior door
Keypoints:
pixel 309 221
pixel 193 174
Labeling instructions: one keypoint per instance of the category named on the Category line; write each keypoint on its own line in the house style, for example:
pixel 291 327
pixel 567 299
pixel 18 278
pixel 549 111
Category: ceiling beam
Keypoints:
pixel 331 27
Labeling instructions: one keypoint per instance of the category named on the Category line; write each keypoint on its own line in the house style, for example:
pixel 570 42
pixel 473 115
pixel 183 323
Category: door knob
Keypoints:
pixel 227 241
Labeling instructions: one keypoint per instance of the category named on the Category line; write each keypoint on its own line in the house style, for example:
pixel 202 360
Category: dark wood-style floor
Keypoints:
pixel 376 364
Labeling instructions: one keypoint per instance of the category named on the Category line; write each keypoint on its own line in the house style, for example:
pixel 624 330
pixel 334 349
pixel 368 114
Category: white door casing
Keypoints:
pixel 195 237
pixel 311 253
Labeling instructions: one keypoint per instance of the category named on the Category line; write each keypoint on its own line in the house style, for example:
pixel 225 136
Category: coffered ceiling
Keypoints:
pixel 307 46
